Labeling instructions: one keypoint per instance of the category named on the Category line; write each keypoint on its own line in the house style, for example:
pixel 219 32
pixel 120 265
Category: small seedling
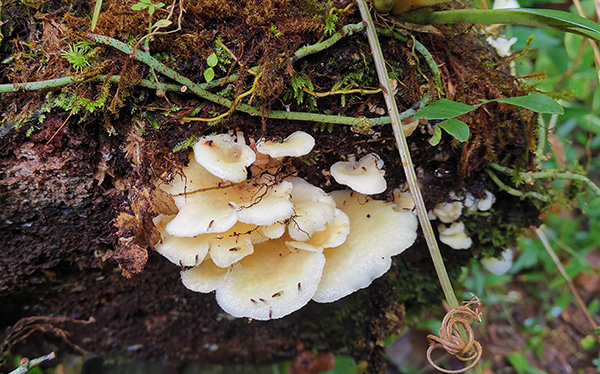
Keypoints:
pixel 147 4
pixel 78 55
pixel 212 61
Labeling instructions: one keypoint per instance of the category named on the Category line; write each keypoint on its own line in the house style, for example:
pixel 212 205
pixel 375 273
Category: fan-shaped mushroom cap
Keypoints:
pixel 314 210
pixel 487 202
pixel 182 251
pixel 403 200
pixel 297 144
pixel 499 265
pixel 273 231
pixel 448 212
pixel 205 277
pixel 217 209
pixel 202 213
pixel 377 232
pixel 271 283
pixel 236 243
pixel 194 178
pixel 334 235
pixel 223 157
pixel 265 203
pixel 454 236
pixel 364 176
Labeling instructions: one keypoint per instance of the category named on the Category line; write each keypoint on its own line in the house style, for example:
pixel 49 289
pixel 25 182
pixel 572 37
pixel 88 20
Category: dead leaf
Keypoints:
pixel 131 257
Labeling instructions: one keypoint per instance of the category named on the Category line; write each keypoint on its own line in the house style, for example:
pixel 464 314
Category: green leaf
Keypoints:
pixel 443 109
pixel 456 128
pixel 209 74
pixel 139 6
pixel 151 9
pixel 535 101
pixel 555 19
pixel 212 60
pixel 437 136
pixel 161 23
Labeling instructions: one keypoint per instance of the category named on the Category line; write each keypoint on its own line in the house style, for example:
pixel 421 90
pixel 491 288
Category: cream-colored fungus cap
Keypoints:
pixel 364 176
pixel 334 235
pixel 313 207
pixel 271 283
pixel 206 277
pixel 377 232
pixel 499 265
pixel 223 157
pixel 455 236
pixel 448 212
pixel 297 144
pixel 182 251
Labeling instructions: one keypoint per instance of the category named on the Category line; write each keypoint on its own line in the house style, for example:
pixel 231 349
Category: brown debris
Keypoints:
pixel 305 361
pixel 131 257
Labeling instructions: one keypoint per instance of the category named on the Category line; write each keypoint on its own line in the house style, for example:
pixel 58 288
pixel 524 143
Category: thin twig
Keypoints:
pixel 27 365
pixel 564 274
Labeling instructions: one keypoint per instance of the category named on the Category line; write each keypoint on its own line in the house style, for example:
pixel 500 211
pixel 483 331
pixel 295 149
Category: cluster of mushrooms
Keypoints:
pixel 269 243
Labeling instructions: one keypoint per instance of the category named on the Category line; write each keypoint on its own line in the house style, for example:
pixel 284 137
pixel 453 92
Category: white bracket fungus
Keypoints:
pixel 377 232
pixel 499 265
pixel 223 157
pixel 455 236
pixel 364 176
pixel 267 247
pixel 297 144
pixel 448 212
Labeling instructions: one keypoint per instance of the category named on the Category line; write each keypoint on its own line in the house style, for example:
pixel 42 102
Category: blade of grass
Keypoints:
pixel 564 274
pixel 96 14
pixel 546 18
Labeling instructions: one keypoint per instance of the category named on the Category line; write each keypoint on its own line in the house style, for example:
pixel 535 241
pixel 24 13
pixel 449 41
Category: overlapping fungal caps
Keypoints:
pixel 268 245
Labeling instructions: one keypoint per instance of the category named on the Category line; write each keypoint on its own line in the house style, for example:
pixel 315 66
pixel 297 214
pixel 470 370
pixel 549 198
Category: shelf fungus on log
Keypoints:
pixel 270 244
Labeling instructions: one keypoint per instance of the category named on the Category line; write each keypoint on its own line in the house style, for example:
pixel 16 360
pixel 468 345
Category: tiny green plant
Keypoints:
pixel 78 55
pixel 147 4
pixel 212 60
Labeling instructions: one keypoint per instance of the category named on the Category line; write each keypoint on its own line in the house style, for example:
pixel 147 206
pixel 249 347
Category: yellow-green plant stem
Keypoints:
pixel 403 150
pixel 26 366
pixel 197 89
pixel 409 170
pixel 529 176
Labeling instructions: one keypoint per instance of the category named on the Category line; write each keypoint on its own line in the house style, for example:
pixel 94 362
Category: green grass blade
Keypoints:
pixel 96 13
pixel 548 18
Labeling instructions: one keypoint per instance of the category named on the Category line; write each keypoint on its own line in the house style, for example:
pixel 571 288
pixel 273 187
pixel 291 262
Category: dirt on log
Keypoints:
pixel 79 162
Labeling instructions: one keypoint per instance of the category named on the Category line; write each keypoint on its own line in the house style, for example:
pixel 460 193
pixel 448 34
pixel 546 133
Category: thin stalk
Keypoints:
pixel 546 18
pixel 514 191
pixel 403 150
pixel 318 47
pixel 421 49
pixel 564 274
pixel 409 169
pixel 548 174
pixel 27 365
pixel 96 14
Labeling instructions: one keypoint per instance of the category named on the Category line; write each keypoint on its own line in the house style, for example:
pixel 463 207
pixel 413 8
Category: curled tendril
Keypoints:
pixel 452 342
